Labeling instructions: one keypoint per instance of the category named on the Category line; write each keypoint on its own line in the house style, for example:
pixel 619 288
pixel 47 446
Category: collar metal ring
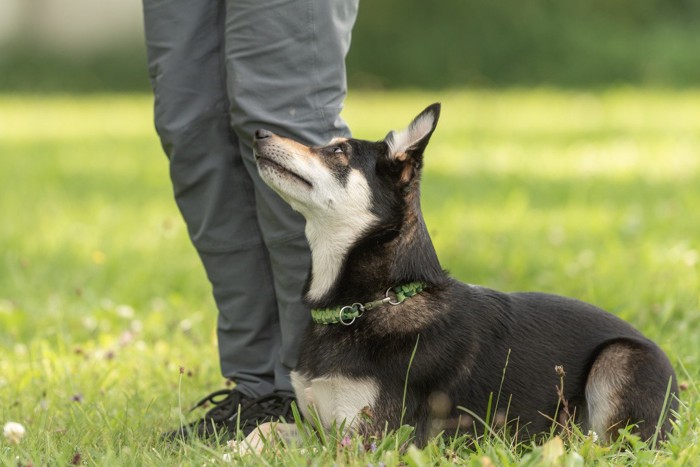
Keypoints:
pixel 391 302
pixel 340 316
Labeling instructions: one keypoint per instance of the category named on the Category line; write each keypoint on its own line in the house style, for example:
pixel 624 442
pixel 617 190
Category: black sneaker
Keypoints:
pixel 271 407
pixel 219 420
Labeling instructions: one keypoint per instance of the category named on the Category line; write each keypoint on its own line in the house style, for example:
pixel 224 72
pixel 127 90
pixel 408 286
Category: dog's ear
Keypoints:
pixel 411 141
pixel 405 147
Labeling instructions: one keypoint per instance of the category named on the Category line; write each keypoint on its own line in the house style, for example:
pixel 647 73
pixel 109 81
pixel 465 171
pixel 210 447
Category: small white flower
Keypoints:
pixel 124 311
pixel 14 432
pixel 227 457
pixel 593 435
pixel 136 325
pixel 90 323
pixel 186 325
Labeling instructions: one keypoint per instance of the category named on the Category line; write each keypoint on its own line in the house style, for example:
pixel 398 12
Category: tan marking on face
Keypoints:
pixel 338 140
pixel 401 157
pixel 293 147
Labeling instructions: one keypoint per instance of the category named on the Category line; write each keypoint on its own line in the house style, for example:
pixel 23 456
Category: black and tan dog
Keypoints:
pixel 381 301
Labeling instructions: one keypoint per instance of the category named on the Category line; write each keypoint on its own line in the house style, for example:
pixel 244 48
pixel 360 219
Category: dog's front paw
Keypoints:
pixel 255 442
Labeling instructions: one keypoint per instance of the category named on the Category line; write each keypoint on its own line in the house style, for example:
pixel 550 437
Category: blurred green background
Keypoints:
pixel 89 46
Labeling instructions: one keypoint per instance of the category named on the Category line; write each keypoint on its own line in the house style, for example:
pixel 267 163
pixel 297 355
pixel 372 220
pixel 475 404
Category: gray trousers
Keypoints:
pixel 220 69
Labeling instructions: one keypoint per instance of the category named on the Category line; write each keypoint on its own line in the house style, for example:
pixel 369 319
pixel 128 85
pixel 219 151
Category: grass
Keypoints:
pixel 106 321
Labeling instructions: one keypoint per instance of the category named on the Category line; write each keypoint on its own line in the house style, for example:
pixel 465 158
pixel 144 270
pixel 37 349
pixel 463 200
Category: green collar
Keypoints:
pixel 347 314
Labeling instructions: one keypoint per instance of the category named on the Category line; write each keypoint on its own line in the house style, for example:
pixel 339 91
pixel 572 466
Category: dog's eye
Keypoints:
pixel 338 150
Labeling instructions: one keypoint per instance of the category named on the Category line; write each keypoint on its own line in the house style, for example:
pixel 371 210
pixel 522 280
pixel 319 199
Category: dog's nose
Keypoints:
pixel 262 134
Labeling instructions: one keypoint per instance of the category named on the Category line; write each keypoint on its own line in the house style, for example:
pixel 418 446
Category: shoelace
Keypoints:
pixel 224 407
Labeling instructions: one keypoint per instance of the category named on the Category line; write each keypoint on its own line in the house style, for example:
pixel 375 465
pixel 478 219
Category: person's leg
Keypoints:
pixel 285 63
pixel 212 188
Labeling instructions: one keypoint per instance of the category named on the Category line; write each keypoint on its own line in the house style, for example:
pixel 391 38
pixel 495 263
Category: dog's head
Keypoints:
pixel 350 191
pixel 347 176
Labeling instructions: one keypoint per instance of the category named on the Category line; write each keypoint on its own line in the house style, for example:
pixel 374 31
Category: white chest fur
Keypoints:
pixel 335 398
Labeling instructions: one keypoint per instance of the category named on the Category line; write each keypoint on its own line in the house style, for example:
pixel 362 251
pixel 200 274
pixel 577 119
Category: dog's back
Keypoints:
pixel 553 358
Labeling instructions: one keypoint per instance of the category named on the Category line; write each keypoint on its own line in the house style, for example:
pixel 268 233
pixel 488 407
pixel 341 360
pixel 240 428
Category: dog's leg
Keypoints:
pixel 266 435
pixel 627 384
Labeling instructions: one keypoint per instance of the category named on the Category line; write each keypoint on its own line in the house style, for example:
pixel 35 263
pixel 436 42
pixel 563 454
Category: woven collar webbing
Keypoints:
pixel 348 313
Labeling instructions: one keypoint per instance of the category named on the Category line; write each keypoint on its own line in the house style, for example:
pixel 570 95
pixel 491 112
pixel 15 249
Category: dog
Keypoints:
pixel 395 340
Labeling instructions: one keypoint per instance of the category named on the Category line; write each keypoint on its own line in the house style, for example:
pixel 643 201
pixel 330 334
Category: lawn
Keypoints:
pixel 106 321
